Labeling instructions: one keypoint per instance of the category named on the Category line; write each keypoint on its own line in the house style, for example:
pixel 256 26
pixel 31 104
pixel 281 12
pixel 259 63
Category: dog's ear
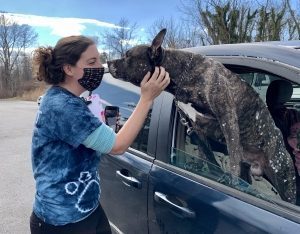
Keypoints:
pixel 158 40
pixel 155 51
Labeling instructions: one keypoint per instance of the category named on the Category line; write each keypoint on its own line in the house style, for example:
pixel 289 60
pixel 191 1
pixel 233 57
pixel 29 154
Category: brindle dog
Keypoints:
pixel 229 109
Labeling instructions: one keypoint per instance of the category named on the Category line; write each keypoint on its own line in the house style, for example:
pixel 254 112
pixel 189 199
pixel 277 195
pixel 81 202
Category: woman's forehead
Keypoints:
pixel 90 53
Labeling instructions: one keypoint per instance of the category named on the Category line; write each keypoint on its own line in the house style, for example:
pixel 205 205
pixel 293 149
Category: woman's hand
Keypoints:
pixel 152 86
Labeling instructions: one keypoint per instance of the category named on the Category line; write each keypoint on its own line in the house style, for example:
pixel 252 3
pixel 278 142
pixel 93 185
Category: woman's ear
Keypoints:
pixel 68 69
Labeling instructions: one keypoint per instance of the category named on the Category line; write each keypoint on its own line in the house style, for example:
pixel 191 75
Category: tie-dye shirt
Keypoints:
pixel 65 171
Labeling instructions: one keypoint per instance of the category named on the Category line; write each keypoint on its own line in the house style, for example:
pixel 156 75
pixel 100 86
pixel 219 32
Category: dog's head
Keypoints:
pixel 139 60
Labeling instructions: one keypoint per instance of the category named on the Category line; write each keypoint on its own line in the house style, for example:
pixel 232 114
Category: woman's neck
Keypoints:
pixel 76 89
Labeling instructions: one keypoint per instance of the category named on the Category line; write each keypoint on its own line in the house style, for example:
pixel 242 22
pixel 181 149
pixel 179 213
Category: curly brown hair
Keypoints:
pixel 48 62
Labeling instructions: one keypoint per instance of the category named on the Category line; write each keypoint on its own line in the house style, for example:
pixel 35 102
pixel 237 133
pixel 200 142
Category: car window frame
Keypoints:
pixel 265 65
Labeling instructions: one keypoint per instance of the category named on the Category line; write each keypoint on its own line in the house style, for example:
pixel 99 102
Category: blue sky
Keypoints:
pixel 53 19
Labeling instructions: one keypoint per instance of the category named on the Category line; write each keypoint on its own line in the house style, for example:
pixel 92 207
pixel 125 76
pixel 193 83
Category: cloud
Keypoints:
pixel 60 26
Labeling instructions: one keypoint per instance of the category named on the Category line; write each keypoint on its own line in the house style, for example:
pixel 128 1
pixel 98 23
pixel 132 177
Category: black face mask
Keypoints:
pixel 91 78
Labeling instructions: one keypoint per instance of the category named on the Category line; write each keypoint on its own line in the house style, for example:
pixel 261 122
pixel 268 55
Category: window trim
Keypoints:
pixel 266 66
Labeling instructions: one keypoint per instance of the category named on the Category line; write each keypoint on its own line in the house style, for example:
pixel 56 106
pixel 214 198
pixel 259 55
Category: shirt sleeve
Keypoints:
pixel 101 140
pixel 73 122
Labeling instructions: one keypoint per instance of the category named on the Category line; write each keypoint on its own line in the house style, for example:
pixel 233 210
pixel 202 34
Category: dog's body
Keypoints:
pixel 229 109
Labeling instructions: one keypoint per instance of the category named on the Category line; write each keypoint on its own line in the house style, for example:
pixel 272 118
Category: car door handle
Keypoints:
pixel 128 180
pixel 183 211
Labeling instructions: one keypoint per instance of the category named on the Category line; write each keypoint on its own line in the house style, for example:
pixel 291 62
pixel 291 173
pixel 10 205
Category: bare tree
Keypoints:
pixel 103 57
pixel 24 64
pixel 272 22
pixel 118 40
pixel 235 21
pixel 191 11
pixel 179 34
pixel 293 22
pixel 228 22
pixel 14 39
pixel 221 21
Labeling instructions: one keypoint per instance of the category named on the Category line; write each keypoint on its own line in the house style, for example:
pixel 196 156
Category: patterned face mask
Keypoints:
pixel 91 78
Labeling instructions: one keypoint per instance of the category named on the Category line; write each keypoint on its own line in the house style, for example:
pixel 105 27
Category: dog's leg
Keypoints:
pixel 222 102
pixel 280 169
pixel 230 129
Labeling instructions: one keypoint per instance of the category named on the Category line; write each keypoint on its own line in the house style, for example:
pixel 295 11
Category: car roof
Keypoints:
pixel 284 52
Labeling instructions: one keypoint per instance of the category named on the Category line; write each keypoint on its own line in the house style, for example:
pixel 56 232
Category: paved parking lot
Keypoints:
pixel 17 184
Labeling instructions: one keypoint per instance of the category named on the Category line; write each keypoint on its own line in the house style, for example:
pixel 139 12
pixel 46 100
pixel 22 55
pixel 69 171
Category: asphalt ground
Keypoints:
pixel 17 183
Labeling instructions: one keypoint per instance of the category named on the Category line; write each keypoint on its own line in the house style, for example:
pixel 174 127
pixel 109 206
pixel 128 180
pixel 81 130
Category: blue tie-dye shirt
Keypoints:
pixel 67 181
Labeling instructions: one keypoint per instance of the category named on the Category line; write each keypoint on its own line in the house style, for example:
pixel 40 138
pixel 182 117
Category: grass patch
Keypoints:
pixel 31 90
pixel 32 95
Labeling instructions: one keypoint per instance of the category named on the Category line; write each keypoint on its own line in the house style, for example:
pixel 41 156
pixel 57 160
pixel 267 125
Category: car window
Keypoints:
pixel 141 141
pixel 260 81
pixel 208 158
pixel 126 98
pixel 188 153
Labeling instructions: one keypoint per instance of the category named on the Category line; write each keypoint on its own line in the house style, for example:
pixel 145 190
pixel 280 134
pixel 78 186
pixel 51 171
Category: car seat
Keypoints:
pixel 278 94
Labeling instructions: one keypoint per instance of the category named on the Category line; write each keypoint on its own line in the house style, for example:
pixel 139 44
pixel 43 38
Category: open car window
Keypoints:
pixel 260 81
pixel 208 158
pixel 187 154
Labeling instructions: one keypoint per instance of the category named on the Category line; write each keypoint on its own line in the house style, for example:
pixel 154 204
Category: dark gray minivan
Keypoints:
pixel 160 185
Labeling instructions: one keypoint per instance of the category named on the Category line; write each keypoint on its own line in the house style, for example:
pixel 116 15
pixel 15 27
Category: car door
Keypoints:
pixel 124 191
pixel 189 195
pixel 124 178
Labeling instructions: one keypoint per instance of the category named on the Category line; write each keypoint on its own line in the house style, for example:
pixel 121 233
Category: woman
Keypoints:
pixel 68 139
